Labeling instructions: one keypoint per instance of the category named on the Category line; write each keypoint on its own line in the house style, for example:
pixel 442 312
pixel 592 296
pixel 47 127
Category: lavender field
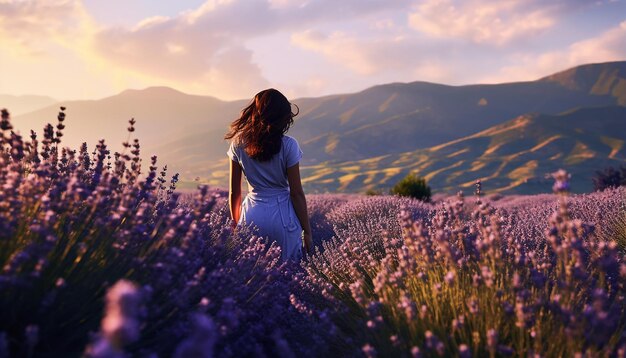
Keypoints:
pixel 101 257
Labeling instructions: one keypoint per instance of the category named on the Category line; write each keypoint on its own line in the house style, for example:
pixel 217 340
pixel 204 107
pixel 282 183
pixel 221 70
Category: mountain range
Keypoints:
pixel 515 156
pixel 25 104
pixel 509 135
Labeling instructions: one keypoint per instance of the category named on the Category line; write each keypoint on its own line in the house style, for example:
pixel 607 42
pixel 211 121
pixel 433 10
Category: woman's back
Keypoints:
pixel 267 177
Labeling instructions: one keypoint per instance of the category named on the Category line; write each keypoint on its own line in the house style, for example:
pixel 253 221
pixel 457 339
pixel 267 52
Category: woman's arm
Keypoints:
pixel 299 204
pixel 234 197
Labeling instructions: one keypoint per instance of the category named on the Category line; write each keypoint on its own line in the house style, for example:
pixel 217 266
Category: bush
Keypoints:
pixel 609 178
pixel 413 186
pixel 373 192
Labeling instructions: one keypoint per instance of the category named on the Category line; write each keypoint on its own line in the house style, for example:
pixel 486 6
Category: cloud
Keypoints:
pixel 282 4
pixel 202 50
pixel 231 48
pixel 339 48
pixel 205 48
pixel 485 22
pixel 46 49
pixel 465 42
pixel 198 49
pixel 30 27
pixel 608 46
pixel 234 75
pixel 402 56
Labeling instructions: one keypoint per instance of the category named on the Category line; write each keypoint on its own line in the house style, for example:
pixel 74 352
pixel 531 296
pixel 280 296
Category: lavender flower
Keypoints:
pixel 369 351
pixel 464 351
pixel 202 340
pixel 120 325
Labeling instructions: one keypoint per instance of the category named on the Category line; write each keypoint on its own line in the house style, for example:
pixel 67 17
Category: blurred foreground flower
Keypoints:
pixel 120 325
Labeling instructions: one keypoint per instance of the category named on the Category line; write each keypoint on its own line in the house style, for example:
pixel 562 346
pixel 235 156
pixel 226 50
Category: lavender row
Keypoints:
pixel 73 223
pixel 523 277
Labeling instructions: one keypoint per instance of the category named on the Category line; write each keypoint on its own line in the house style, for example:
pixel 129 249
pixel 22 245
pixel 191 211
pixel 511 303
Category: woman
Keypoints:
pixel 269 159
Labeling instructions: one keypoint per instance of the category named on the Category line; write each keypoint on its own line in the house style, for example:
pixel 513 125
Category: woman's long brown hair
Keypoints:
pixel 262 124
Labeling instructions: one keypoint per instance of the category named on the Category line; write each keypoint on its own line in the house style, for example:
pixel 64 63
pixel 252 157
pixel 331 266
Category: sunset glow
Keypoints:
pixel 89 49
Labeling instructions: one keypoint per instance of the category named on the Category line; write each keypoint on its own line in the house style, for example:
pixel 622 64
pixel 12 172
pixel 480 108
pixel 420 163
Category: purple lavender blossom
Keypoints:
pixel 202 340
pixel 369 351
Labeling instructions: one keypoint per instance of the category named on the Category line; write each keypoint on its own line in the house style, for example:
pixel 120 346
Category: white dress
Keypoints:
pixel 268 205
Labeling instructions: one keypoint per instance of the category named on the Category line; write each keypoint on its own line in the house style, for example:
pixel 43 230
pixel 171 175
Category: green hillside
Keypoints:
pixel 602 79
pixel 512 157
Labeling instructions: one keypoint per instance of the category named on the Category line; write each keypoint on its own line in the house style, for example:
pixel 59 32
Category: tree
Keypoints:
pixel 609 178
pixel 413 186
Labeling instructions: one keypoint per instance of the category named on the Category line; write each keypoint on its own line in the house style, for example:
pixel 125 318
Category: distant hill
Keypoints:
pixel 600 79
pixel 186 131
pixel 163 116
pixel 24 104
pixel 513 157
pixel 400 117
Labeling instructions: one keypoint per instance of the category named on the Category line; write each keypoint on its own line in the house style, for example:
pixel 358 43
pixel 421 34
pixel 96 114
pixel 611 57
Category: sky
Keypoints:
pixel 231 49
